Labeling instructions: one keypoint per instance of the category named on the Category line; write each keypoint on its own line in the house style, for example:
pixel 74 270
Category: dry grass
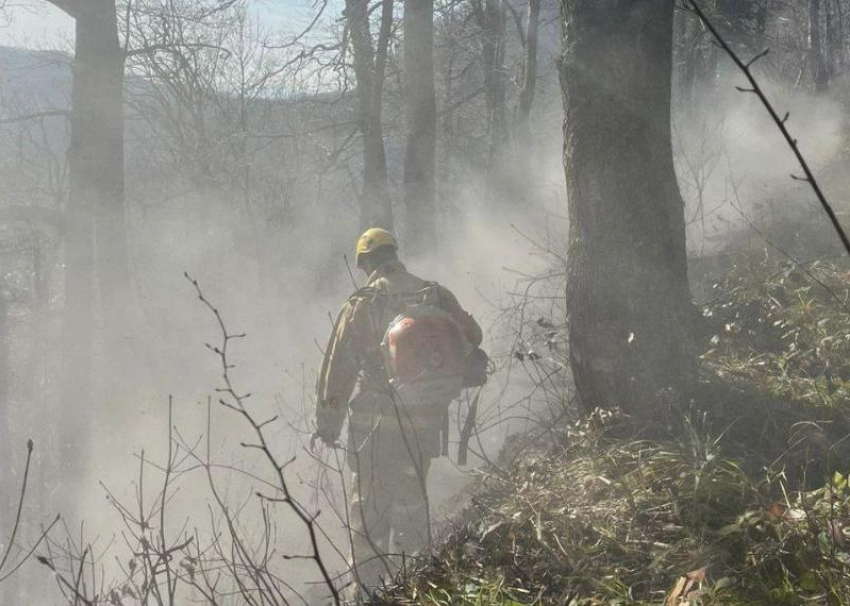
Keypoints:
pixel 745 503
pixel 596 519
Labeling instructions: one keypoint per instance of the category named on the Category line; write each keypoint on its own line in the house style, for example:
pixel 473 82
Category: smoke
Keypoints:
pixel 281 277
pixel 730 157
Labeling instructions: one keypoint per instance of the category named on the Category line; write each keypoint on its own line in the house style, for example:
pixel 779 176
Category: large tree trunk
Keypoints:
pixel 95 207
pixel 369 69
pixel 102 52
pixel 628 299
pixel 421 114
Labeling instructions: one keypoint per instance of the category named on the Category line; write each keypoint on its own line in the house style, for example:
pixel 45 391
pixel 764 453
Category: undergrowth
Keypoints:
pixel 601 520
pixel 747 503
pixel 785 327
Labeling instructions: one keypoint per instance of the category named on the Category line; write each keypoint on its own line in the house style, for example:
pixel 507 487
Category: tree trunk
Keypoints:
pixel 523 183
pixel 41 365
pixel 102 52
pixel 816 59
pixel 95 214
pixel 529 75
pixel 840 42
pixel 421 116
pixel 628 300
pixel 369 69
pixel 832 48
pixel 12 453
pixel 688 35
pixel 491 19
pixel 10 458
pixel 447 71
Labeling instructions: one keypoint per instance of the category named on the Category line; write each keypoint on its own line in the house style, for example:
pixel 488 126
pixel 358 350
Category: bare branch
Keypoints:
pixel 16 527
pixel 52 113
pixel 237 404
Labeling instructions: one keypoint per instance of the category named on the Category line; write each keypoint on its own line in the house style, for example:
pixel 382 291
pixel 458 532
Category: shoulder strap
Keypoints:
pixel 367 294
pixel 429 294
pixel 375 300
pixel 433 294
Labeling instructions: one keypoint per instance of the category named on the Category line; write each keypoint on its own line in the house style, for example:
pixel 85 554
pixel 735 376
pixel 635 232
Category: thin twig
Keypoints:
pixel 21 498
pixel 238 405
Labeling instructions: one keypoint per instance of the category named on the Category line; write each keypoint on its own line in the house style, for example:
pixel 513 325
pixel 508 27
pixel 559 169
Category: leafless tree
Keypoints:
pixel 370 64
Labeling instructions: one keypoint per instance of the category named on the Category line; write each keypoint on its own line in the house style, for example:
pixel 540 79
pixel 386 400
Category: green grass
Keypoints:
pixel 746 503
pixel 599 520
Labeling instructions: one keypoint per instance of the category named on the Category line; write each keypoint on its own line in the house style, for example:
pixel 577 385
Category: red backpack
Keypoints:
pixel 423 347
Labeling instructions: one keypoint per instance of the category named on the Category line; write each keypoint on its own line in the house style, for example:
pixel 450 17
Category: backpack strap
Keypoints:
pixel 437 290
pixel 364 294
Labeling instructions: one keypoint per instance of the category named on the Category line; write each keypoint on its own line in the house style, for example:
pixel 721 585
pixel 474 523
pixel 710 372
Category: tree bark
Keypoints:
pixel 421 116
pixel 369 69
pixel 628 300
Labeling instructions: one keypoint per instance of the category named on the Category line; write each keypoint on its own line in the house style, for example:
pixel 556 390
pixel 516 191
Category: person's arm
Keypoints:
pixel 471 329
pixel 338 376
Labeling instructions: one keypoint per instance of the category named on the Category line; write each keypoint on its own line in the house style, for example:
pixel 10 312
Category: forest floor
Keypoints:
pixel 746 501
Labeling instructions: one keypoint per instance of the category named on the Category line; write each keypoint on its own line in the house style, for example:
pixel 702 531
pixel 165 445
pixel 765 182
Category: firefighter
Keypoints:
pixel 389 448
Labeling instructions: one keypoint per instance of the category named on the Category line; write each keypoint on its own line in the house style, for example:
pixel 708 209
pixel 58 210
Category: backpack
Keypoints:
pixel 424 350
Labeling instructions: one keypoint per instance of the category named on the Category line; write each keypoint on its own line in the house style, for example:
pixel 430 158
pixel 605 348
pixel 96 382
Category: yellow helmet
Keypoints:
pixel 373 239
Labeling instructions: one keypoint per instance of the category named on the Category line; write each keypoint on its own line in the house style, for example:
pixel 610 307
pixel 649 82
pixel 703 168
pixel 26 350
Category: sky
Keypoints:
pixel 38 24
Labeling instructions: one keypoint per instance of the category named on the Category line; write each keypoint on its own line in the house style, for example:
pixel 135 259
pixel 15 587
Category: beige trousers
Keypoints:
pixel 388 515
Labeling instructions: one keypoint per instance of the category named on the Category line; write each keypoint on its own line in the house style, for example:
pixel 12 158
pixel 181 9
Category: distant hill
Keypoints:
pixel 33 80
